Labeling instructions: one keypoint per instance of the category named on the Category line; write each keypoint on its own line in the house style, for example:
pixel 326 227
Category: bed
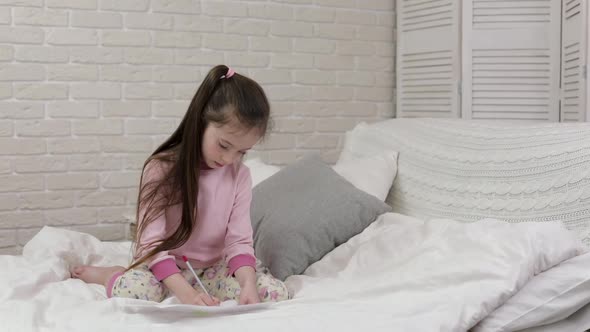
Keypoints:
pixel 436 262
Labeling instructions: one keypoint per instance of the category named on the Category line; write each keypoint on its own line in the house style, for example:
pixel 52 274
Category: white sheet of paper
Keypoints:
pixel 225 308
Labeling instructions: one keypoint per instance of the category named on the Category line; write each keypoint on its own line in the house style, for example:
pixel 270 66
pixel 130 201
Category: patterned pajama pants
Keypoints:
pixel 140 283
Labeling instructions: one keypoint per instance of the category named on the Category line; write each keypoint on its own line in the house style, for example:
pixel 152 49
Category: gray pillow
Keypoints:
pixel 303 212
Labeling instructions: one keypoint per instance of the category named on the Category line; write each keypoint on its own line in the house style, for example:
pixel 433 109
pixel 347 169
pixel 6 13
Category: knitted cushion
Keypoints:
pixel 468 170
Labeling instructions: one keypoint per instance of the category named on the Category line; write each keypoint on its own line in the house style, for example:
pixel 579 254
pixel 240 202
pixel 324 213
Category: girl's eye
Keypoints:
pixel 223 146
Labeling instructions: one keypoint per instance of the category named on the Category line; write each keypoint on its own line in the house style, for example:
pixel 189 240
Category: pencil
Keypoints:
pixel 196 277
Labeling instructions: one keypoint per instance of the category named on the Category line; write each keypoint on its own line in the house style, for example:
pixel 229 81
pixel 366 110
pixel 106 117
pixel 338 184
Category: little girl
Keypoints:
pixel 194 200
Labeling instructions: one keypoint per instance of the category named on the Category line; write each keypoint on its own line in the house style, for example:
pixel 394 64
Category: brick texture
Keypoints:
pixel 88 88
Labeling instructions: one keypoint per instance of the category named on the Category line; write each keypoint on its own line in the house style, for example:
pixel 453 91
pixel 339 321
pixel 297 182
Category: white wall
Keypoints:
pixel 587 119
pixel 88 88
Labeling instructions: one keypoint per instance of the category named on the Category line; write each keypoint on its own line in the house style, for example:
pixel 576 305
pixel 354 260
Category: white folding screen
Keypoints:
pixel 493 59
pixel 511 59
pixel 574 60
pixel 428 66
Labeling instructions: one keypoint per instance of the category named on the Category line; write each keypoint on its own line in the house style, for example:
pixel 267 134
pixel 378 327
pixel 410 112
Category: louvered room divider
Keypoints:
pixel 493 59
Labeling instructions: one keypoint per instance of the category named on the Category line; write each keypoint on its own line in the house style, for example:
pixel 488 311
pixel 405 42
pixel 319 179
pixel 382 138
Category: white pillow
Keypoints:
pixel 374 175
pixel 362 142
pixel 260 171
pixel 549 297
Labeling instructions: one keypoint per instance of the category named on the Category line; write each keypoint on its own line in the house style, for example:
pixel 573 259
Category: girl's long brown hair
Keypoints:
pixel 217 100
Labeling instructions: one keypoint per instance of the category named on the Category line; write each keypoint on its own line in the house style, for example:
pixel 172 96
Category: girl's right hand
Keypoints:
pixel 199 298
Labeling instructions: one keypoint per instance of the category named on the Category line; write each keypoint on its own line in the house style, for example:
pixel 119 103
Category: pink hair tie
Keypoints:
pixel 230 73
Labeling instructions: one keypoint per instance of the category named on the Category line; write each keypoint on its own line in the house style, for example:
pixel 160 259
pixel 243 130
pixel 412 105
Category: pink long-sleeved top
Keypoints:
pixel 223 229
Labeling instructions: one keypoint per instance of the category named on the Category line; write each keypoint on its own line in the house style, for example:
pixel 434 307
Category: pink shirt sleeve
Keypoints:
pixel 239 250
pixel 162 264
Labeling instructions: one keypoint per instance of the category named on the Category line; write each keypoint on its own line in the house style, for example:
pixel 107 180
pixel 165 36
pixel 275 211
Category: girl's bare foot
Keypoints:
pixel 95 274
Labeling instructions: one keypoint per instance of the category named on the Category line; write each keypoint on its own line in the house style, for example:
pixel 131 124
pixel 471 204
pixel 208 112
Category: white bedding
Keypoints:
pixel 400 274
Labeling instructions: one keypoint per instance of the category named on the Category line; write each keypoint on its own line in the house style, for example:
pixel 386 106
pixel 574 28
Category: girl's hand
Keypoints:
pixel 249 294
pixel 199 298
pixel 247 279
pixel 185 293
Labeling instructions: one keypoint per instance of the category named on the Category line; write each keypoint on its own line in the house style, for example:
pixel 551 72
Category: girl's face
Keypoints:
pixel 224 144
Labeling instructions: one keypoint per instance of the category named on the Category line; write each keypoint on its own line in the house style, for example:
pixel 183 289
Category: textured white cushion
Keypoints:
pixel 549 297
pixel 469 170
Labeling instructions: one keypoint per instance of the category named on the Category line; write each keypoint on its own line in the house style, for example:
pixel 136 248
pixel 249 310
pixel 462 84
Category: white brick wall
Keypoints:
pixel 88 88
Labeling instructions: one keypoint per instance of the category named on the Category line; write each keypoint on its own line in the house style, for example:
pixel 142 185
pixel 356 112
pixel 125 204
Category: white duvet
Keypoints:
pixel 400 274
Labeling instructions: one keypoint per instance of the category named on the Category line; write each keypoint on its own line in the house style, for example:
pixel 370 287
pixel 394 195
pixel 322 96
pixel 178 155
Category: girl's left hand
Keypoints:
pixel 249 294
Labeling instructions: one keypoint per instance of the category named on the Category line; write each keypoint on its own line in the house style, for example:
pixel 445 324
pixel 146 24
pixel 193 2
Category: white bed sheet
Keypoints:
pixel 400 274
pixel 549 297
pixel 577 322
